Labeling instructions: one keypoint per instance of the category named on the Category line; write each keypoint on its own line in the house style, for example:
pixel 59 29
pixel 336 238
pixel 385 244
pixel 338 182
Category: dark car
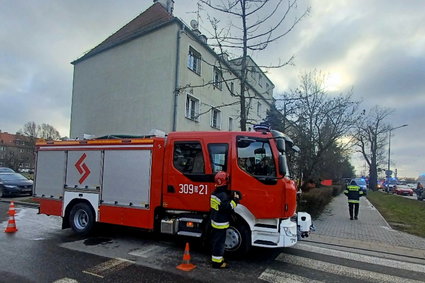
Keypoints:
pixel 6 170
pixel 14 184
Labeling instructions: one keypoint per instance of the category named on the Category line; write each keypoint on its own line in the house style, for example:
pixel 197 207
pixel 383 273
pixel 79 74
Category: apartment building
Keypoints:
pixel 156 72
pixel 16 151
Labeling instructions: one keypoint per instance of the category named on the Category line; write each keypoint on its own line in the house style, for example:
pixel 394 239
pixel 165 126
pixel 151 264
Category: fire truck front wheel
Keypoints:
pixel 238 239
pixel 81 218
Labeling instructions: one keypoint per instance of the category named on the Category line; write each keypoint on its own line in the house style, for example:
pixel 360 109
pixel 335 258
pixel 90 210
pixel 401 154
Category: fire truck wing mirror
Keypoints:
pixel 289 142
pixel 280 145
pixel 296 148
pixel 283 166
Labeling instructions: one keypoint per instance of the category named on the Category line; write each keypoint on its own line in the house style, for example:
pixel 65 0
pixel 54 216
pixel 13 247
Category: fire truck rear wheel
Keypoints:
pixel 81 218
pixel 238 239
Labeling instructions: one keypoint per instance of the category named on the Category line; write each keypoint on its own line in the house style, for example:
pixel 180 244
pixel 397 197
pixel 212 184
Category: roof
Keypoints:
pixel 155 16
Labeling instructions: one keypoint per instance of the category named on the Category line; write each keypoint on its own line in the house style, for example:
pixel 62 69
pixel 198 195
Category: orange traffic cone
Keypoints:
pixel 11 225
pixel 12 211
pixel 186 265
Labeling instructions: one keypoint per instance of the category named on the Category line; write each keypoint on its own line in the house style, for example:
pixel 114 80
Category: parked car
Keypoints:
pixel 360 182
pixel 14 184
pixel 403 190
pixel 6 170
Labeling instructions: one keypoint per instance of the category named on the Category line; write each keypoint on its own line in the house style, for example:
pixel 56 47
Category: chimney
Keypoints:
pixel 167 4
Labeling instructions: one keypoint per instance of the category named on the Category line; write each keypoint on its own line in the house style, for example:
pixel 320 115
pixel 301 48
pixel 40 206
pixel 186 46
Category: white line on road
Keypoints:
pixel 66 280
pixel 362 258
pixel 275 276
pixel 148 251
pixel 341 270
pixel 107 267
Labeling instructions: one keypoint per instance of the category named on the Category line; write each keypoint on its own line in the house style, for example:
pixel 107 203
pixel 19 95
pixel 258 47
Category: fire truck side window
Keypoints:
pixel 218 156
pixel 255 157
pixel 188 158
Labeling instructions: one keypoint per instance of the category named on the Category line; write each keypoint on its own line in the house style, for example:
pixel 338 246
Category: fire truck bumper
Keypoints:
pixel 285 236
pixel 288 233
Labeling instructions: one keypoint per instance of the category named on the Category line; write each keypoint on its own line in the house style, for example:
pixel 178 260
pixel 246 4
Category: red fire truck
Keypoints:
pixel 164 184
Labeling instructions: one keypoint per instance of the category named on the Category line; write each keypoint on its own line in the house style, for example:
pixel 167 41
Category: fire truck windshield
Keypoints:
pixel 255 157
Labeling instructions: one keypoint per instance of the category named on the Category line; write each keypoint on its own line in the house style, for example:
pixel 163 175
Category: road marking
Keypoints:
pixel 362 258
pixel 275 276
pixel 341 270
pixel 148 251
pixel 66 280
pixel 107 267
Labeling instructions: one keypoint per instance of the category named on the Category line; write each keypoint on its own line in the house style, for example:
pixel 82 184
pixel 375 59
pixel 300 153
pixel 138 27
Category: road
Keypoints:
pixel 41 252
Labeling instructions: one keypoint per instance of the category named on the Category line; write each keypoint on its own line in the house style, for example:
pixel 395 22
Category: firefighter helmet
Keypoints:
pixel 221 179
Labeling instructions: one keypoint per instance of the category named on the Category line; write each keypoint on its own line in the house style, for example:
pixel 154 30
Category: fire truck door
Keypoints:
pixel 188 184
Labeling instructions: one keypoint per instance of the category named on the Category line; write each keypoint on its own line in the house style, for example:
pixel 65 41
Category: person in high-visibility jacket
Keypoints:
pixel 353 193
pixel 223 202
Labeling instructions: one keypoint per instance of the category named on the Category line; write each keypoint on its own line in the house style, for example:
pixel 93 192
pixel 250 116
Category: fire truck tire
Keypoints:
pixel 238 239
pixel 81 218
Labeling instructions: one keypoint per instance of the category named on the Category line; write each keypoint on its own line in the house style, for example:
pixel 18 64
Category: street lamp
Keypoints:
pixel 389 147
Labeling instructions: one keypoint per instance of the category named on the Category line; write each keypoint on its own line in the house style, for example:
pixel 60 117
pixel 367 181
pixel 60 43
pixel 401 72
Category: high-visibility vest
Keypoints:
pixel 353 193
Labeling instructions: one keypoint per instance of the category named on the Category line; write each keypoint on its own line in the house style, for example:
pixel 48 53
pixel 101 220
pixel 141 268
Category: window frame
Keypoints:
pixel 217 78
pixel 189 108
pixel 194 60
pixel 217 124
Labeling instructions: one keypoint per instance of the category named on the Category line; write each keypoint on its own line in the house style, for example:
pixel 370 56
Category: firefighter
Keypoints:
pixel 353 193
pixel 223 202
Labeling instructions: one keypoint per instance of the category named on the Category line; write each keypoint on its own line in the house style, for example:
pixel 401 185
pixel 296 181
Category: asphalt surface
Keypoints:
pixel 340 250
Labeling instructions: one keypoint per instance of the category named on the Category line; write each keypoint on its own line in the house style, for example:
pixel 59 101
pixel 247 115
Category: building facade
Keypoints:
pixel 16 151
pixel 158 73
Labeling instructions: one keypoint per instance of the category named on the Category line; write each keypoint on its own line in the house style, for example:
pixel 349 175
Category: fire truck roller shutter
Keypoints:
pixel 50 174
pixel 132 188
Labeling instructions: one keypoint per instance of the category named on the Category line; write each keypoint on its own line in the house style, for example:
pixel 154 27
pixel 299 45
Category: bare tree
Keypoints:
pixel 254 25
pixel 318 121
pixel 43 131
pixel 371 138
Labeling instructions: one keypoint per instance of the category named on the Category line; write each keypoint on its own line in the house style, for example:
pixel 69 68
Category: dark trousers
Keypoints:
pixel 353 207
pixel 218 238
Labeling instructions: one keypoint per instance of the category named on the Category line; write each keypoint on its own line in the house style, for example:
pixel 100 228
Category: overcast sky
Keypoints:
pixel 374 47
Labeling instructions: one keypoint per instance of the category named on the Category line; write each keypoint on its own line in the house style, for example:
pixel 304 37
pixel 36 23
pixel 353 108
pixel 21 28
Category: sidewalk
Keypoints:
pixel 371 231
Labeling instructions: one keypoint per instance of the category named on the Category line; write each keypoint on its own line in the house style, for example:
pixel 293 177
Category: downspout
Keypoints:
pixel 176 79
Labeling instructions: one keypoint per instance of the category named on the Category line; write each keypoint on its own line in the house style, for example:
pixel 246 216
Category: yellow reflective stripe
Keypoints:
pixel 353 201
pixel 215 202
pixel 218 259
pixel 219 225
pixel 233 204
pixel 353 188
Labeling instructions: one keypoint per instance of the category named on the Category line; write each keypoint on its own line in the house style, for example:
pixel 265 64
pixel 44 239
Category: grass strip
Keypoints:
pixel 403 214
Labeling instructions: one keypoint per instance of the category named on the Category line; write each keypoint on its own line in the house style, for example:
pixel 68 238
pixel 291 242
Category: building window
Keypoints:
pixel 232 88
pixel 215 118
pixel 259 109
pixel 194 61
pixel 260 79
pixel 230 124
pixel 218 78
pixel 192 108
